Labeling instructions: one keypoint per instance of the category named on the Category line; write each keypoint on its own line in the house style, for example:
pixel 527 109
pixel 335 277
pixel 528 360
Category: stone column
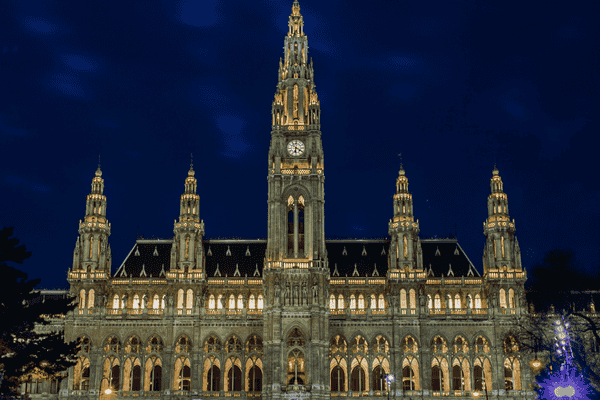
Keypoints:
pixel 295 228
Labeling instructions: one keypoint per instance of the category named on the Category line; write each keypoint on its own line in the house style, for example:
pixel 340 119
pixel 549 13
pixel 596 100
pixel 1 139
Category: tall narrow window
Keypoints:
pixel 211 302
pixel 502 298
pixel 352 302
pixel 332 302
pixel 231 302
pixel 220 302
pixel 82 299
pixel 252 303
pixel 290 230
pixel 438 302
pixel 301 226
pixel 373 301
pixel 189 299
pixel 260 302
pixel 405 247
pixel 412 298
pixel 381 302
pixel 448 301
pixel 511 298
pixel 340 302
pixel 361 302
pixel 502 245
pixel 402 298
pixel 180 298
pixel 240 302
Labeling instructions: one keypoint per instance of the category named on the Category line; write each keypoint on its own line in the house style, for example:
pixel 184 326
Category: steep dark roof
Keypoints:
pixel 149 255
pixel 442 254
pixel 365 254
pixel 246 254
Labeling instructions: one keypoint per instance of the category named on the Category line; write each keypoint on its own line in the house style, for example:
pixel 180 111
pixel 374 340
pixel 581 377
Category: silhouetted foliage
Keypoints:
pixel 551 282
pixel 23 350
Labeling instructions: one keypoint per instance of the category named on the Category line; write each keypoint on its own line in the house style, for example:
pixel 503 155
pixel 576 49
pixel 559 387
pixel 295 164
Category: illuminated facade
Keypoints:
pixel 296 316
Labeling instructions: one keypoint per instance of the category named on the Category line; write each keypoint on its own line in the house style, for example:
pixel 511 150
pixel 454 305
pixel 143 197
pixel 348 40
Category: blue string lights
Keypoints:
pixel 564 384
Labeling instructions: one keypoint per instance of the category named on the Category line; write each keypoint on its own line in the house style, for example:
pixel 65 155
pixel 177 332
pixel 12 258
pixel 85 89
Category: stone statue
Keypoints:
pixel 422 299
pixel 304 295
pixel 295 295
pixel 170 301
pixel 286 295
pixel 277 294
pixel 315 292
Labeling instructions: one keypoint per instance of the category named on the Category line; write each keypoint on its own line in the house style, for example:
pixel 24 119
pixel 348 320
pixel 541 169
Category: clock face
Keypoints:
pixel 295 147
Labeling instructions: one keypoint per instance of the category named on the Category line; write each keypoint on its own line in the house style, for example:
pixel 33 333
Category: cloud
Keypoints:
pixel 33 186
pixel 66 84
pixel 9 130
pixel 40 25
pixel 79 63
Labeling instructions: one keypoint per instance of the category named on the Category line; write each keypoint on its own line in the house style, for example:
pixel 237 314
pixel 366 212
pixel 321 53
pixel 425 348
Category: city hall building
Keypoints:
pixel 297 316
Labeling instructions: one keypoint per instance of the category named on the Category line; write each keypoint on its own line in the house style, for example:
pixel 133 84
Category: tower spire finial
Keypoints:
pixel 191 160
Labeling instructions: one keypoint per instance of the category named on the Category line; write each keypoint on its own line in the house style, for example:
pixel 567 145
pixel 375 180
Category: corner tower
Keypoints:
pixel 501 252
pixel 92 251
pixel 296 274
pixel 405 247
pixel 187 253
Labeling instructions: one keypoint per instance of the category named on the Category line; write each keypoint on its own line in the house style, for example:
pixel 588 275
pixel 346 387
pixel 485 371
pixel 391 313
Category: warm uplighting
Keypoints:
pixel 108 391
pixel 475 394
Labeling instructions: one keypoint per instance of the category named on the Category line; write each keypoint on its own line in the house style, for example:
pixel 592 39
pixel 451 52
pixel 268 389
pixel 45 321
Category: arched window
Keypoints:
pixel 408 378
pixel 220 301
pixel 332 302
pixel 155 302
pixel 162 301
pixel 402 298
pixel 153 375
pixel 373 301
pixel 340 302
pixel 116 301
pixel 439 375
pixel 482 372
pixel 81 299
pixel 132 375
pixel 352 302
pixel 338 379
pixel 412 297
pixel 240 302
pixel 260 301
pixel 358 379
pixel 381 302
pixel 477 301
pixel 211 302
pixel 429 302
pixel 438 301
pixel 91 298
pixel 457 303
pixel 254 378
pixel 379 378
pixel 252 302
pixel 180 298
pixel 112 373
pixel 448 301
pixel 136 301
pixel 458 378
pixel 361 302
pixel 189 299
pixel 231 302
pixel 511 298
pixel 502 298
pixel 81 375
pixel 213 378
pixel 234 375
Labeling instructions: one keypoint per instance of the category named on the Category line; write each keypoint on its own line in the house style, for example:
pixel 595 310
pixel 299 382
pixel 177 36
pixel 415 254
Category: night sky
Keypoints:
pixel 452 86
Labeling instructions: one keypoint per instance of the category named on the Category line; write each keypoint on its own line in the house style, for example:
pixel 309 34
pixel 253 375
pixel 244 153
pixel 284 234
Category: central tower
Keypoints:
pixel 296 274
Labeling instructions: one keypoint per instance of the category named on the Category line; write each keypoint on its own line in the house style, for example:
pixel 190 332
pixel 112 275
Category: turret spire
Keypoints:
pixel 405 246
pixel 502 251
pixel 187 252
pixel 92 252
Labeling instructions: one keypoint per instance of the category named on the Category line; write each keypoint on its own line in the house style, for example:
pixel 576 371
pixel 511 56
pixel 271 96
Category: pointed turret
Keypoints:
pixel 188 253
pixel 296 101
pixel 92 252
pixel 405 247
pixel 502 251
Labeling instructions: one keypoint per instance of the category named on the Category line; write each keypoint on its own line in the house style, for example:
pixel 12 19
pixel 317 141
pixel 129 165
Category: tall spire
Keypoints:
pixel 405 246
pixel 502 250
pixel 296 101
pixel 92 251
pixel 187 251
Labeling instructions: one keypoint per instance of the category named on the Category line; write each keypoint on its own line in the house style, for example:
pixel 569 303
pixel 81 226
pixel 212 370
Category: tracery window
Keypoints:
pixel 112 345
pixel 413 301
pixel 457 303
pixel 211 302
pixel 81 374
pixel 91 298
pixel 112 373
pixel 116 301
pixel 358 378
pixel 220 301
pixel 477 301
pixel 410 373
pixel 189 299
pixel 132 374
pixel 381 302
pixel 153 375
pixel 233 365
pixel 133 345
pixel 439 365
pixel 511 298
pixel 438 301
pixel 338 367
pixel 402 298
pixel 212 374
pixel 254 345
pixel 240 302
pixel 155 302
pixel 212 345
pixel 512 374
pixel 260 301
pixel 409 345
pixel 180 298
pixel 184 345
pixel 510 345
pixel 231 302
pixel 252 302
pixel 154 345
pixel 361 302
pixel 352 302
pixel 332 302
pixel 296 362
pixel 381 368
pixel 136 301
pixel 340 302
pixel 81 299
pixel 502 298
pixel 183 374
pixel 373 301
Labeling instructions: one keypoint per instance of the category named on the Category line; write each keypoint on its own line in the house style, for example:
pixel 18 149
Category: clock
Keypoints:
pixel 295 147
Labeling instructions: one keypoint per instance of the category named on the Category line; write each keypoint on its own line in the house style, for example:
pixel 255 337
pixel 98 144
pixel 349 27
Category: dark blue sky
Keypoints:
pixel 452 86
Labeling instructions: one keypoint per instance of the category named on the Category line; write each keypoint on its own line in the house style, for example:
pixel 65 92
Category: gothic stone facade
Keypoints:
pixel 297 316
